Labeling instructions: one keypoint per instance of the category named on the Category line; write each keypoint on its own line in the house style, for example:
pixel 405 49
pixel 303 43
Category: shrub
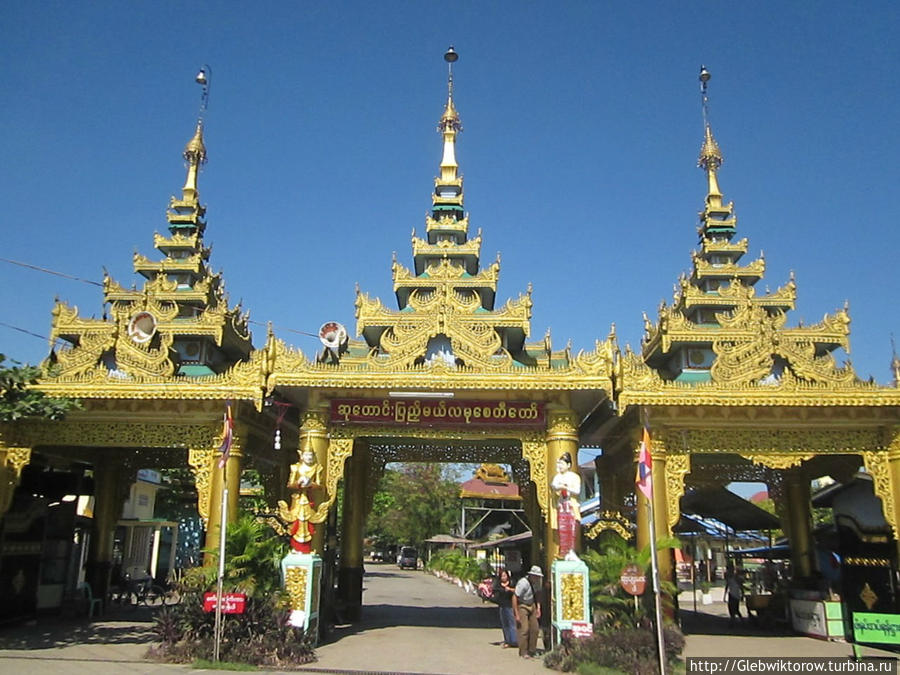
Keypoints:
pixel 455 563
pixel 259 636
pixel 631 650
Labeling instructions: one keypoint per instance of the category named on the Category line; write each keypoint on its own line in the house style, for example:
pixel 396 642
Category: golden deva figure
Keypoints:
pixel 307 472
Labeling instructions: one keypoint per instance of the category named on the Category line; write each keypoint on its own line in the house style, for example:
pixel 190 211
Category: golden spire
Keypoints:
pixel 449 124
pixel 710 155
pixel 195 155
pixel 895 363
pixel 195 150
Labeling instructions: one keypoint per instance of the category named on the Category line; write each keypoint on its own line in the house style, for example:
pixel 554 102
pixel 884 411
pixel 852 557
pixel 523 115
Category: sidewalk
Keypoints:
pixel 385 643
pixel 709 633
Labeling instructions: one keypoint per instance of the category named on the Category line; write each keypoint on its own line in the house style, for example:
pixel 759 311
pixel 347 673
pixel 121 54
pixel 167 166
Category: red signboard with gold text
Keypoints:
pixel 425 412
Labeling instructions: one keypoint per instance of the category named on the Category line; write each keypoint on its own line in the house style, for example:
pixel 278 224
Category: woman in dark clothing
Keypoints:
pixel 503 592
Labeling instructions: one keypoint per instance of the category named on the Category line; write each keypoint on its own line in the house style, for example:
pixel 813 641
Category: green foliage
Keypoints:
pixel 628 650
pixel 253 556
pixel 455 563
pixel 260 635
pixel 609 600
pixel 19 398
pixel 412 504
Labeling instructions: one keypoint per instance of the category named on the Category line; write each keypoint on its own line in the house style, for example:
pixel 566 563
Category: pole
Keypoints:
pixel 654 565
pixel 221 574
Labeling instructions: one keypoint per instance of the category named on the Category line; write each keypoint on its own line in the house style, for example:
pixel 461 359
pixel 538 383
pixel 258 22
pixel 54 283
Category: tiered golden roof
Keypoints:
pixel 178 324
pixel 720 330
pixel 446 328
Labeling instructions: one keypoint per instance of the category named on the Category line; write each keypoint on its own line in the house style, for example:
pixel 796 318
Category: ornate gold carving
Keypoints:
pixel 868 596
pixel 797 442
pixel 572 594
pixel 677 467
pixel 201 462
pixel 339 449
pixel 868 562
pixel 778 461
pixel 611 520
pixel 536 454
pixel 878 466
pixel 295 582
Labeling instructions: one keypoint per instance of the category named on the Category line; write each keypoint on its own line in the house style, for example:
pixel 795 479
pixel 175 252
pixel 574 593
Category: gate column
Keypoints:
pixel 797 493
pixel 110 488
pixel 350 575
pixel 314 434
pixel 221 477
pixel 562 438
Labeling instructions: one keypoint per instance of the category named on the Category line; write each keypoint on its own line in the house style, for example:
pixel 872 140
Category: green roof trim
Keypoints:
pixel 694 376
pixel 195 370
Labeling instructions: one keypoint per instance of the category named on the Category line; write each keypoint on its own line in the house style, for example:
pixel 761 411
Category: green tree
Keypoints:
pixel 19 398
pixel 413 503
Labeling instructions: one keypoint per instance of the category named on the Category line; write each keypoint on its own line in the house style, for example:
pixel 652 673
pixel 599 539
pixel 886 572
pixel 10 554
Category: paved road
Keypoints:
pixel 412 623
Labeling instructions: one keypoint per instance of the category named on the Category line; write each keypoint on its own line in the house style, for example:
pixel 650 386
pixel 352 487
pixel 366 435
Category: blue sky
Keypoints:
pixel 582 127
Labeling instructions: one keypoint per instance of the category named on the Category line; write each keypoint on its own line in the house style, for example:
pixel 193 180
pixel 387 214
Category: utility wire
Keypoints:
pixel 58 274
pixel 96 283
pixel 22 330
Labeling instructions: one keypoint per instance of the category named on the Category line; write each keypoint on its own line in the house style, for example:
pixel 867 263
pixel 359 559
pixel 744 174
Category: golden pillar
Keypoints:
pixel 660 510
pixel 892 502
pixel 798 511
pixel 350 575
pixel 110 488
pixel 562 438
pixel 221 477
pixel 12 461
pixel 314 435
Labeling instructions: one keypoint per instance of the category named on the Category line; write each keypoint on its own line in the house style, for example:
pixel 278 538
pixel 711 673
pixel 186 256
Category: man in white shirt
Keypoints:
pixel 527 610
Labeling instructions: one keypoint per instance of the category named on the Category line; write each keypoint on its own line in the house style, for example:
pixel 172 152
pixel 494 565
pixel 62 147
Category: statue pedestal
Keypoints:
pixel 302 575
pixel 571 598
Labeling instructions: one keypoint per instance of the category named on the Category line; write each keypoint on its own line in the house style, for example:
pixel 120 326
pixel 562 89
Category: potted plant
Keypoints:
pixel 705 595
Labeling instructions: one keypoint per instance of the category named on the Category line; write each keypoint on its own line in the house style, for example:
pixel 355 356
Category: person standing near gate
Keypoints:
pixel 503 595
pixel 527 608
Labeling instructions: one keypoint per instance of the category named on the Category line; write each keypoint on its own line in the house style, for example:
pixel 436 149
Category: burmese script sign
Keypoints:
pixel 431 413
pixel 232 603
pixel 633 579
pixel 877 628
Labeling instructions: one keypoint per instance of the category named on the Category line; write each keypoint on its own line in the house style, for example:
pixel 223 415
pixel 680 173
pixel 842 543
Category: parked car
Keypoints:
pixel 409 557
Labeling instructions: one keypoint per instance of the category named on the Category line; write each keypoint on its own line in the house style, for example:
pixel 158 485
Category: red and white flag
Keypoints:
pixel 227 437
pixel 644 479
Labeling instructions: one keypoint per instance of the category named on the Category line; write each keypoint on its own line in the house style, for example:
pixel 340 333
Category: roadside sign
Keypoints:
pixel 232 603
pixel 633 579
pixel 582 629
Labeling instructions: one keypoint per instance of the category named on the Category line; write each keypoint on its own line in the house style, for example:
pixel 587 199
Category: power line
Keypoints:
pixel 22 330
pixel 58 274
pixel 96 283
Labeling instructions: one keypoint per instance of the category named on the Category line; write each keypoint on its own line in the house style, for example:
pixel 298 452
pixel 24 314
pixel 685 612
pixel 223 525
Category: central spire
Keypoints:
pixel 449 124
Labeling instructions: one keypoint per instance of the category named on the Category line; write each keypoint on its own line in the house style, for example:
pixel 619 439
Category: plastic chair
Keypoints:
pixel 92 602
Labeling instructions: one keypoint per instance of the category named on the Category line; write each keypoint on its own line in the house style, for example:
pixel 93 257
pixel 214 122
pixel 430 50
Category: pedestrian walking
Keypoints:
pixel 503 596
pixel 734 592
pixel 527 608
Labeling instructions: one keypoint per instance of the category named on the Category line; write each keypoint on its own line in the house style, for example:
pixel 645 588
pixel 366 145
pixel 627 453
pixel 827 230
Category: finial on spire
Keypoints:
pixel 195 150
pixel 450 56
pixel 203 78
pixel 704 98
pixel 450 118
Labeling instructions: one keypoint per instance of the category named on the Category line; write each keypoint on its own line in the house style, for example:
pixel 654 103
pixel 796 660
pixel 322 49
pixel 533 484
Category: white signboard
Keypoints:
pixel 808 616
